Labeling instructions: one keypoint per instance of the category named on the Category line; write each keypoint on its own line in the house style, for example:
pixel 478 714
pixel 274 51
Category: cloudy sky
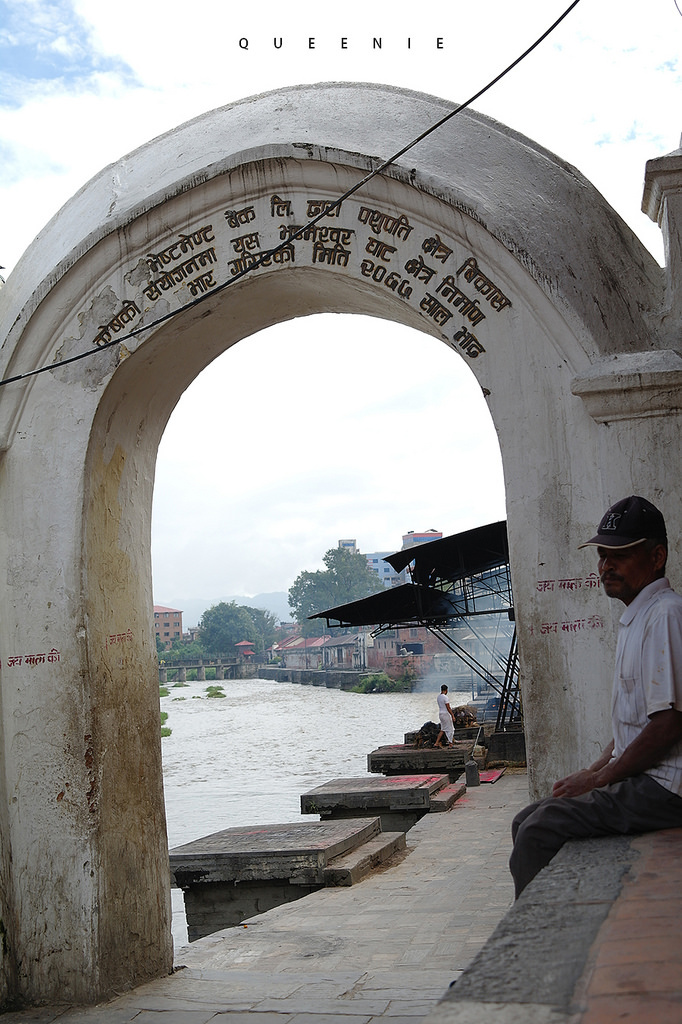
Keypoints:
pixel 82 83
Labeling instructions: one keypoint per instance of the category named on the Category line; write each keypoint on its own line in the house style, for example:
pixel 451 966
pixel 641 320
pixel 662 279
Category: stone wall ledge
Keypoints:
pixel 594 926
pixel 631 385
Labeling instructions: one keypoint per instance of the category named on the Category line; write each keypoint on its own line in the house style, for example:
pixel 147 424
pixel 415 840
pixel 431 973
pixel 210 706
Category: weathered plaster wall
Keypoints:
pixel 572 364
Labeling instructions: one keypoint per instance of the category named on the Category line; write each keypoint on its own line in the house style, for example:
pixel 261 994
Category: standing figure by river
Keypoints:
pixel 636 784
pixel 446 718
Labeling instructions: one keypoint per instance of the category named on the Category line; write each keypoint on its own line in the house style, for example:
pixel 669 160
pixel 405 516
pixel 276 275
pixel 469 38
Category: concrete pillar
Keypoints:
pixel 201 672
pixel 219 670
pixel 662 201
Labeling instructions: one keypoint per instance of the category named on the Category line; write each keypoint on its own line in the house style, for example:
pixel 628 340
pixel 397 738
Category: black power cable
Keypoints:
pixel 333 206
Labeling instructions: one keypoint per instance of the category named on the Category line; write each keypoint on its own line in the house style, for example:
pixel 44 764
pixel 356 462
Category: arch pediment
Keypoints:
pixel 541 210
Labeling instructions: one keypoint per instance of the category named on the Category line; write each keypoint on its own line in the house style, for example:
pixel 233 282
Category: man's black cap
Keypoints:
pixel 630 521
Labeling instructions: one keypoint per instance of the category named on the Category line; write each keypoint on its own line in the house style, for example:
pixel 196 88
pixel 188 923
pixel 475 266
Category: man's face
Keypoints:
pixel 626 571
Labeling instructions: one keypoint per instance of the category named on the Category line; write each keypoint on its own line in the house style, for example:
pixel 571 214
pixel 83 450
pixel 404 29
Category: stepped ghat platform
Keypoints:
pixel 400 801
pixel 403 759
pixel 503 749
pixel 238 872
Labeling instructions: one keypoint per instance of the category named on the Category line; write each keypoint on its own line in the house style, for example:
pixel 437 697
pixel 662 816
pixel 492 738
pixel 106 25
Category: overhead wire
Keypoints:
pixel 382 166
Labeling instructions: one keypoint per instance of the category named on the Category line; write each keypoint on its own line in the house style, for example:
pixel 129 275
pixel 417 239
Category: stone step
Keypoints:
pixel 352 867
pixel 446 797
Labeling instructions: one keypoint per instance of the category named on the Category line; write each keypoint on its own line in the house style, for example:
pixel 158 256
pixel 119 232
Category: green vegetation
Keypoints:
pixel 181 651
pixel 179 684
pixel 163 691
pixel 165 731
pixel 215 691
pixel 379 682
pixel 346 578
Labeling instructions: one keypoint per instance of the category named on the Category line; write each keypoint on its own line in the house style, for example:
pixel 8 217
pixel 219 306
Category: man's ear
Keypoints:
pixel 660 556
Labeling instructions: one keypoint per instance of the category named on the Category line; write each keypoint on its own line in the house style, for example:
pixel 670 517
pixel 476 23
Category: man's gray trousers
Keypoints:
pixel 629 807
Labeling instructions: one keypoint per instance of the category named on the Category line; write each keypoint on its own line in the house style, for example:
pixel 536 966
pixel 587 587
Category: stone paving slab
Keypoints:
pixel 594 939
pixel 384 950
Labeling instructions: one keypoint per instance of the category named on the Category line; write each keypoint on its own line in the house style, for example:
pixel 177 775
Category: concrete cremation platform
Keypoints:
pixel 239 872
pixel 399 800
pixel 399 759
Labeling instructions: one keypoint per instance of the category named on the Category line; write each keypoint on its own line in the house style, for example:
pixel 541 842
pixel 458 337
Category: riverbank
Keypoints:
pixel 346 679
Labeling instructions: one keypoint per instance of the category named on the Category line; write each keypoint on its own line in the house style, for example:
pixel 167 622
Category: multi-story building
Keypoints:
pixel 386 573
pixel 167 624
pixel 376 560
pixel 411 538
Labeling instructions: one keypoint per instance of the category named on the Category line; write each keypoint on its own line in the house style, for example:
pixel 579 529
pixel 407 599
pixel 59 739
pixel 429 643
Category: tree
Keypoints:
pixel 223 626
pixel 267 627
pixel 182 650
pixel 346 578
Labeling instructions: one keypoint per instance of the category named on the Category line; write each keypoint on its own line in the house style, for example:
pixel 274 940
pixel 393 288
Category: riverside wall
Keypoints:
pixel 334 679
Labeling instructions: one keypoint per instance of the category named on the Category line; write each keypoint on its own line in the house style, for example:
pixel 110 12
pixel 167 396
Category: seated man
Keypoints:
pixel 636 784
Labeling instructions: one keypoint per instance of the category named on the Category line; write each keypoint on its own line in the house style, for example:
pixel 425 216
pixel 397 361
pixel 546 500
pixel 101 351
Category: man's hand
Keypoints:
pixel 646 750
pixel 575 784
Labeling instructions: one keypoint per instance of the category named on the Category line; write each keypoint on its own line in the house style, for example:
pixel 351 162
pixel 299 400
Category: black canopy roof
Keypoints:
pixel 455 557
pixel 408 603
pixel 438 565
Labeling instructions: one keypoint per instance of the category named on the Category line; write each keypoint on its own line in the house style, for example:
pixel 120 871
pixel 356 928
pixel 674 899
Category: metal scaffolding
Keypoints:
pixel 455 581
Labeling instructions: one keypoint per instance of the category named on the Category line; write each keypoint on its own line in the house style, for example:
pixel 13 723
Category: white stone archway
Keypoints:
pixel 565 329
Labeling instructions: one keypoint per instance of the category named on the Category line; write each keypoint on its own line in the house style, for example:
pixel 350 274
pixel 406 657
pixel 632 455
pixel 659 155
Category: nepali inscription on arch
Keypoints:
pixel 441 279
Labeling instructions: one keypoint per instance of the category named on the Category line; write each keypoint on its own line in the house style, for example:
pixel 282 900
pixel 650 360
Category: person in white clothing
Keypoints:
pixel 636 784
pixel 446 718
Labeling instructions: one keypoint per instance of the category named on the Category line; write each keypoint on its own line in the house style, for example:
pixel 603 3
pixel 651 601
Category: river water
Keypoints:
pixel 245 758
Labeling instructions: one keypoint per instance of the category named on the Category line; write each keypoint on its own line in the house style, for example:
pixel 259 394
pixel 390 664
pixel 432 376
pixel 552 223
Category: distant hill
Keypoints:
pixel 194 607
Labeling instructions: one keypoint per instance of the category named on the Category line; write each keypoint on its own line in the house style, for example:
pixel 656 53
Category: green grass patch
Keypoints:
pixel 163 691
pixel 214 691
